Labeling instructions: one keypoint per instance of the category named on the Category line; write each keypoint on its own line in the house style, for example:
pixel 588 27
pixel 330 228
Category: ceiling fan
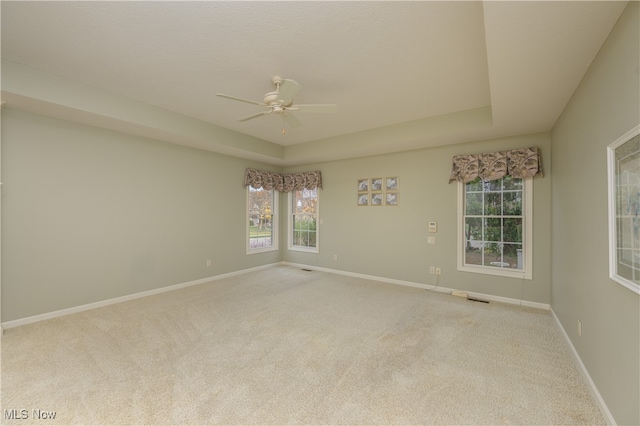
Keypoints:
pixel 281 102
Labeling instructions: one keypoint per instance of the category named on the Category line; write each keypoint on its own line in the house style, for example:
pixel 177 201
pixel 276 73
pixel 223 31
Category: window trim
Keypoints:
pixel 290 245
pixel 527 217
pixel 613 193
pixel 274 224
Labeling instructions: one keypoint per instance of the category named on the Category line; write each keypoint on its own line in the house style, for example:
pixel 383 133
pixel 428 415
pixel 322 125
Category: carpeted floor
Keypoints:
pixel 286 346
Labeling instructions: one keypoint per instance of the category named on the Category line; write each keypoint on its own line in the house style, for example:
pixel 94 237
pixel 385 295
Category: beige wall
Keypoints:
pixel 391 242
pixel 90 214
pixel 605 106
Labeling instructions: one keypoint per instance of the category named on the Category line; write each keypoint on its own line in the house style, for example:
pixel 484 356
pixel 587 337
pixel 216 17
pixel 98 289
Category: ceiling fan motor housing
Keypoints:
pixel 272 100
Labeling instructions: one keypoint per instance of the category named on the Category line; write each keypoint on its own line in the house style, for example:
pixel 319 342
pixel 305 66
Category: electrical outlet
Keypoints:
pixel 431 240
pixel 208 263
pixel 432 269
pixel 579 328
pixel 335 257
pixel 438 271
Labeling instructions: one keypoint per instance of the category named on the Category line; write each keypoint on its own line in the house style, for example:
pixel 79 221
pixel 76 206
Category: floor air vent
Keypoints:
pixel 464 295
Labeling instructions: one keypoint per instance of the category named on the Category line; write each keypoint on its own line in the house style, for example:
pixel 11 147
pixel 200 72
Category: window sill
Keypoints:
pixel 304 249
pixel 501 272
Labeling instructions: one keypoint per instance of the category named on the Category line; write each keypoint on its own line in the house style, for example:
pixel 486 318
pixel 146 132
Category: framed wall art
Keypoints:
pixel 378 191
pixel 391 184
pixel 377 199
pixel 623 158
pixel 376 184
pixel 363 199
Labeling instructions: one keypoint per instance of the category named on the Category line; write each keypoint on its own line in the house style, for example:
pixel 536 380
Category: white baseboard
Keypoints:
pixel 592 386
pixel 82 308
pixel 482 296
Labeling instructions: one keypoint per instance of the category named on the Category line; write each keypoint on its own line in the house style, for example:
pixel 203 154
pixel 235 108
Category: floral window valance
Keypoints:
pixel 283 182
pixel 519 163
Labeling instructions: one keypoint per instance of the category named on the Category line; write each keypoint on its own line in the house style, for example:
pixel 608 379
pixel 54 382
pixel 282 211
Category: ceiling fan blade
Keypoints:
pixel 222 95
pixel 315 107
pixel 291 120
pixel 288 90
pixel 254 116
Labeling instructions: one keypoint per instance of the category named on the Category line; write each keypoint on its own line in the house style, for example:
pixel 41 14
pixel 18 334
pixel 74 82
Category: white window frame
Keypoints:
pixel 274 225
pixel 527 243
pixel 290 244
pixel 614 261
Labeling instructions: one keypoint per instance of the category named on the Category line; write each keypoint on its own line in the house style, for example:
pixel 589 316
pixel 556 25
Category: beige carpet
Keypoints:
pixel 285 346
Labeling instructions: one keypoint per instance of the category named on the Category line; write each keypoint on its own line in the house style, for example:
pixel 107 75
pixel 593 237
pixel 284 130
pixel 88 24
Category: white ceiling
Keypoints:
pixel 384 63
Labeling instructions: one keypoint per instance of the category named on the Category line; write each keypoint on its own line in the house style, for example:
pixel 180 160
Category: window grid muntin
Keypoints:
pixel 494 192
pixel 304 219
pixel 262 220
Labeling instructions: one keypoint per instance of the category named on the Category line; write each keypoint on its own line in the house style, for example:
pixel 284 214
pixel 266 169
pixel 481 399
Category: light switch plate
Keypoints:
pixel 433 227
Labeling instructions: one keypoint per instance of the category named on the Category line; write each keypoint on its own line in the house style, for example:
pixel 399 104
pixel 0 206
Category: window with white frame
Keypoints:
pixel 495 226
pixel 303 220
pixel 262 220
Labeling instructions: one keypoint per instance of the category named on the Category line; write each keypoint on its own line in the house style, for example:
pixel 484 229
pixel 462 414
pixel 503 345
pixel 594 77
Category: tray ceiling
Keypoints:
pixel 404 75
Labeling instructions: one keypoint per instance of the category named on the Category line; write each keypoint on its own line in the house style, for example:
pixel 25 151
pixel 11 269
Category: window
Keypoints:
pixel 495 224
pixel 624 209
pixel 262 206
pixel 303 220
